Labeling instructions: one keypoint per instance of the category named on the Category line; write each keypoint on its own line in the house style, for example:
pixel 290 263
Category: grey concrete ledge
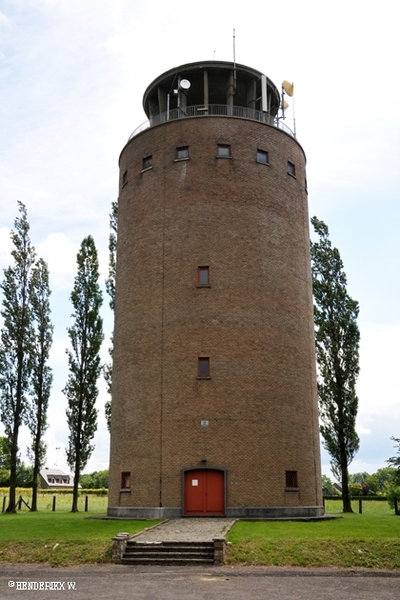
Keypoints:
pixel 249 512
pixel 144 513
pixel 275 512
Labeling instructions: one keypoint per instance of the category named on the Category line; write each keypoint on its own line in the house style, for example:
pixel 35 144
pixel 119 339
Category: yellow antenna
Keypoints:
pixel 288 87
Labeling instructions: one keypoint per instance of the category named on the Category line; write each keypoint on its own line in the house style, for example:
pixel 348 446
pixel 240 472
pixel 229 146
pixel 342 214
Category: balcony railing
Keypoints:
pixel 213 110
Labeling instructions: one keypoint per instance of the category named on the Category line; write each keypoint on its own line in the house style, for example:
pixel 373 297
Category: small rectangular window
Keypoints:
pixel 126 480
pixel 147 162
pixel 262 157
pixel 291 480
pixel 203 276
pixel 182 152
pixel 224 150
pixel 291 169
pixel 203 367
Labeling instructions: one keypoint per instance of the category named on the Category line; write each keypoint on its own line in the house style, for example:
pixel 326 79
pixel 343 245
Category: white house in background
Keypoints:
pixel 55 478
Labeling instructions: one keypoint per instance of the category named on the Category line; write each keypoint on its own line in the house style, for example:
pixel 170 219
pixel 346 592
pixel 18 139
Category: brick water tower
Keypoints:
pixel 214 408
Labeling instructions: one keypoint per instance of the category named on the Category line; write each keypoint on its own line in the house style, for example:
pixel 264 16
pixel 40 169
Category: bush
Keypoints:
pixel 364 498
pixel 95 480
pixel 392 495
pixel 355 489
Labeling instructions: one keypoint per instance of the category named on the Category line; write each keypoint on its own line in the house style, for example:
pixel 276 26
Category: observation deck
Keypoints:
pixel 214 89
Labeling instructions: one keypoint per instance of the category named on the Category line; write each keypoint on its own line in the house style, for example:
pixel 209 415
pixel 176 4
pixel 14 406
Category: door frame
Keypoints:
pixel 201 468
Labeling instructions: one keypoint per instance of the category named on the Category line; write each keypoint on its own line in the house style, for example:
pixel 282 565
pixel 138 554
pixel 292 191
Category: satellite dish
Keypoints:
pixel 184 84
pixel 288 87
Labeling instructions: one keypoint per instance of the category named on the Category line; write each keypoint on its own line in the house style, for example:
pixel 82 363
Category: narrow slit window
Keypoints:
pixel 291 480
pixel 203 276
pixel 224 151
pixel 203 367
pixel 291 169
pixel 182 152
pixel 262 157
pixel 125 480
pixel 125 178
pixel 147 162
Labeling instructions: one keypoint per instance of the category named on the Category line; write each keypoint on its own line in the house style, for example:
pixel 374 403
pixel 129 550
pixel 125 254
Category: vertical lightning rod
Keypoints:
pixel 234 61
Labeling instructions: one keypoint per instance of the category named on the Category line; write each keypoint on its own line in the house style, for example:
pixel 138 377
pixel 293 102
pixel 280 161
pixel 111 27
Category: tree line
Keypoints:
pixel 26 338
pixel 381 483
pixel 95 480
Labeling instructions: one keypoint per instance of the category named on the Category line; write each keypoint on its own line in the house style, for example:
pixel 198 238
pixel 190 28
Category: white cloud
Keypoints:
pixel 378 385
pixel 6 246
pixel 3 20
pixel 60 254
pixel 361 430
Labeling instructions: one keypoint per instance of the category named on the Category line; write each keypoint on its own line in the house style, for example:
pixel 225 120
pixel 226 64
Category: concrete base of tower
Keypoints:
pixel 275 512
pixel 241 512
pixel 144 512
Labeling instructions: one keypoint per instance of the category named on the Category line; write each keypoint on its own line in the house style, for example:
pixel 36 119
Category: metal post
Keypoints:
pixel 54 503
pixel 360 506
pixel 86 503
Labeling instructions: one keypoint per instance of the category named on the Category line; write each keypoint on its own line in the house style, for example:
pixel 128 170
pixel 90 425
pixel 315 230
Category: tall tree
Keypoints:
pixel 86 336
pixel 41 378
pixel 16 346
pixel 394 488
pixel 394 461
pixel 337 344
pixel 110 287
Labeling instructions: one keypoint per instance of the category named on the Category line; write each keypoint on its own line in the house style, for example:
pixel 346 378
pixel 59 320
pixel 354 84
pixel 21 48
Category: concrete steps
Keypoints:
pixel 168 553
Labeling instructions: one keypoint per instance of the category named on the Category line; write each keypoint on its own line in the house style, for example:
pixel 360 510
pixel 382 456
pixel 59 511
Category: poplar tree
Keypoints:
pixel 110 287
pixel 337 349
pixel 41 377
pixel 86 336
pixel 16 346
pixel 394 488
pixel 394 461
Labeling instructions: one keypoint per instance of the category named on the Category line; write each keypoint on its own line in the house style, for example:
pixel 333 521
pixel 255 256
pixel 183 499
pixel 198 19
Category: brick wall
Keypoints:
pixel 249 223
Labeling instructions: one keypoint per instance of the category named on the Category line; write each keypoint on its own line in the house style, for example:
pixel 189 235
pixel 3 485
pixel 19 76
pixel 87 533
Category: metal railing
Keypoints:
pixel 212 110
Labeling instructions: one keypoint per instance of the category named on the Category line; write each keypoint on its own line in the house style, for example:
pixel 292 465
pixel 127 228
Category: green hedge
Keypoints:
pixel 353 498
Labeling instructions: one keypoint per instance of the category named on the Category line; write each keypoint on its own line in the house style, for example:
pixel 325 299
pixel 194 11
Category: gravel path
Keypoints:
pixel 187 530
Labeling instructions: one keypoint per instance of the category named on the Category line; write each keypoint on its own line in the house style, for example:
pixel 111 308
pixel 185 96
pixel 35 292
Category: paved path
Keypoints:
pixel 187 530
pixel 120 582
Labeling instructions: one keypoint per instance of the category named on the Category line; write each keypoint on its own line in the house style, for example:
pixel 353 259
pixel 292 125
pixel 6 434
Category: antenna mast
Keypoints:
pixel 234 61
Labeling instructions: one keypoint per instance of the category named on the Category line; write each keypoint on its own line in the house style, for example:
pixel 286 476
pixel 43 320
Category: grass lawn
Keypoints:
pixel 61 537
pixel 370 540
pixel 96 504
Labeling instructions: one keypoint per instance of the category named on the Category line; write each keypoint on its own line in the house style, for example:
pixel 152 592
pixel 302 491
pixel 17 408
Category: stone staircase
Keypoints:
pixel 194 541
pixel 168 553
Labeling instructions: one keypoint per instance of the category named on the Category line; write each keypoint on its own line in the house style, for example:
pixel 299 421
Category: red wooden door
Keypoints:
pixel 204 492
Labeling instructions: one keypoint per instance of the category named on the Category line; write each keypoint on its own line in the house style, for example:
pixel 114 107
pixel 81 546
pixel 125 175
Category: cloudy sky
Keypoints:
pixel 72 77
